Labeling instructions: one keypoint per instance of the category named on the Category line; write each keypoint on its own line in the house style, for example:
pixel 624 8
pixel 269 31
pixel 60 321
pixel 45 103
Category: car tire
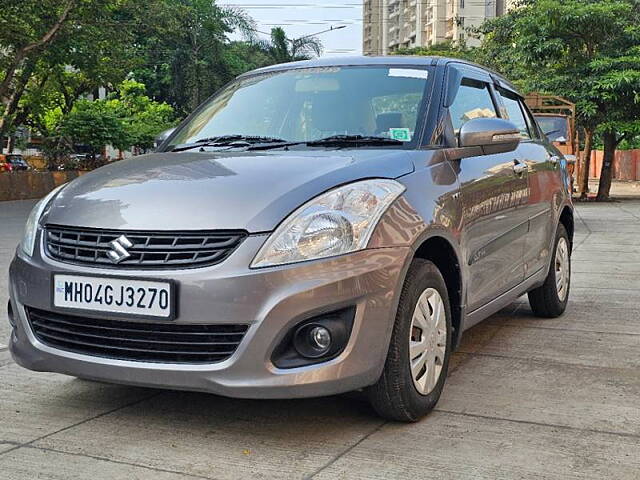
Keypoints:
pixel 397 395
pixel 550 299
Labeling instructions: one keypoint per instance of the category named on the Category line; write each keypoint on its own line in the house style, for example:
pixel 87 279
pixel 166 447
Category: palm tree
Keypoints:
pixel 282 49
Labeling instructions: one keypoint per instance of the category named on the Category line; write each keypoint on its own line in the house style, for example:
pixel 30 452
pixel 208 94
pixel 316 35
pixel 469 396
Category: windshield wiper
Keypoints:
pixel 227 140
pixel 332 141
pixel 349 140
pixel 267 143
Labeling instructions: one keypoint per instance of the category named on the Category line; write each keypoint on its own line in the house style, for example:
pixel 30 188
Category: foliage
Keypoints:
pixel 126 119
pixel 445 49
pixel 94 125
pixel 282 49
pixel 584 50
pixel 587 51
pixel 142 118
pixel 188 59
pixel 58 51
pixel 196 59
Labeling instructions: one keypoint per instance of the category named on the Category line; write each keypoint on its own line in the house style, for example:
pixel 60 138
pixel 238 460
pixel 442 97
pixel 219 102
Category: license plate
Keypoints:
pixel 115 295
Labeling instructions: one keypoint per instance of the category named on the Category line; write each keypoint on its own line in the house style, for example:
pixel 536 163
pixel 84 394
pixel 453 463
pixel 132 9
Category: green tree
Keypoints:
pixel 70 47
pixel 127 118
pixel 189 58
pixel 282 49
pixel 444 49
pixel 142 118
pixel 33 26
pixel 58 51
pixel 95 125
pixel 587 51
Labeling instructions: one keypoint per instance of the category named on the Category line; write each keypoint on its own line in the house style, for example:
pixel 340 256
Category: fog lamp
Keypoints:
pixel 312 340
pixel 320 338
pixel 315 340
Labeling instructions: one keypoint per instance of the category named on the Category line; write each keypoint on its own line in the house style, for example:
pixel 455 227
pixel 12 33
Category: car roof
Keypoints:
pixel 404 60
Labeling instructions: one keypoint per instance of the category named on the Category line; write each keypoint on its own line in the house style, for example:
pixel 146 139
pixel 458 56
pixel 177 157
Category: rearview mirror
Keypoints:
pixel 493 135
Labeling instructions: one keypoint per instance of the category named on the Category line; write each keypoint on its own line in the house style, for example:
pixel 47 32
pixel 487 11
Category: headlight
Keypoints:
pixel 336 222
pixel 33 221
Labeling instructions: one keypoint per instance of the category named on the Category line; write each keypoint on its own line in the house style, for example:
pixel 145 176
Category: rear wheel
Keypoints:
pixel 550 299
pixel 416 365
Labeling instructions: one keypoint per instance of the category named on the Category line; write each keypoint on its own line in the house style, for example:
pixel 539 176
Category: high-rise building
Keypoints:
pixel 392 24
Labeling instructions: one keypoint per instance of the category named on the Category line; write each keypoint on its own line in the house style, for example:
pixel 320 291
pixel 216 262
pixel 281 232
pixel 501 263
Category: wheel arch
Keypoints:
pixel 566 219
pixel 439 250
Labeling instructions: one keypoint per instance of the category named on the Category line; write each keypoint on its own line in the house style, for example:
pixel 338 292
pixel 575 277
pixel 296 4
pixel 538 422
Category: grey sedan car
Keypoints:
pixel 313 228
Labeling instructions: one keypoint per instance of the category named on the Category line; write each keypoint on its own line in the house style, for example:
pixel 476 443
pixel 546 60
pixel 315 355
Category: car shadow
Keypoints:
pixel 352 407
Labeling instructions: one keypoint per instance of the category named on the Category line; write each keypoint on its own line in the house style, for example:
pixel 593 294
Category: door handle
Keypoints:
pixel 520 167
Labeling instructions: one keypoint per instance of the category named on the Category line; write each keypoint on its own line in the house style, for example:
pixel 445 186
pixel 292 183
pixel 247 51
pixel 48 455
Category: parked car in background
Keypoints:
pixel 315 228
pixel 556 117
pixel 17 161
pixel 5 166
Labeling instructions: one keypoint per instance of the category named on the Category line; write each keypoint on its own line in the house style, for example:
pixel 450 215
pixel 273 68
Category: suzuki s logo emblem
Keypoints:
pixel 119 249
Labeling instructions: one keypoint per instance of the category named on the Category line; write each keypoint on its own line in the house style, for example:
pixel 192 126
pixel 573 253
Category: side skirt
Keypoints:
pixel 479 314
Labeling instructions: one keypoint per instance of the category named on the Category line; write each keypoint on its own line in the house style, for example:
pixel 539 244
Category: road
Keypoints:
pixel 526 398
pixel 12 218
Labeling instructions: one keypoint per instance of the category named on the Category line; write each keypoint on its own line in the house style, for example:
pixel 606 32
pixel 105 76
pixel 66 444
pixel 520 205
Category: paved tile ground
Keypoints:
pixel 619 188
pixel 526 398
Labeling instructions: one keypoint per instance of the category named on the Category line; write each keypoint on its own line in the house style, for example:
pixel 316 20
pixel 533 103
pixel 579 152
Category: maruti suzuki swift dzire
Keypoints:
pixel 313 228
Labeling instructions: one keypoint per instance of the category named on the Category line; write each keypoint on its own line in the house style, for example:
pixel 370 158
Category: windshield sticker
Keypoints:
pixel 402 134
pixel 408 73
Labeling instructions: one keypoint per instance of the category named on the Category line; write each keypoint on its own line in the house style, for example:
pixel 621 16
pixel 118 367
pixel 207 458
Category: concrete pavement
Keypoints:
pixel 526 398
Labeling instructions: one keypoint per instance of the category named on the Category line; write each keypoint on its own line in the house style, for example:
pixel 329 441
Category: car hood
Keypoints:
pixel 214 190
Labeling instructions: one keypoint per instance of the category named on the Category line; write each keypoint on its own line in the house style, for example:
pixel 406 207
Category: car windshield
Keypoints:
pixel 306 105
pixel 555 128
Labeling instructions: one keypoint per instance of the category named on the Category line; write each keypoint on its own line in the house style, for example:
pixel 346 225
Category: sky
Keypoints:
pixel 304 17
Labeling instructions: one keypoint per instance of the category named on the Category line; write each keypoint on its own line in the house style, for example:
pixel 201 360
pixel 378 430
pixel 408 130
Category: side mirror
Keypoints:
pixel 493 135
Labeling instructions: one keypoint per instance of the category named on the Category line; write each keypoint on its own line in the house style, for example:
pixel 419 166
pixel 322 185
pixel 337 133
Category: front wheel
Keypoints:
pixel 550 299
pixel 416 366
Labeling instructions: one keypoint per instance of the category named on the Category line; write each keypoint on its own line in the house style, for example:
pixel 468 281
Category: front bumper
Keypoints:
pixel 270 300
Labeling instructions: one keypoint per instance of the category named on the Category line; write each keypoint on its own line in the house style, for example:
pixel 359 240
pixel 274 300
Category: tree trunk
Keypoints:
pixel 586 163
pixel 21 53
pixel 13 67
pixel 610 143
pixel 16 95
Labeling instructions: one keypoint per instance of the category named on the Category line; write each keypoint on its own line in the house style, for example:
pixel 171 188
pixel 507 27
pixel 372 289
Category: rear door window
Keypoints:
pixel 513 111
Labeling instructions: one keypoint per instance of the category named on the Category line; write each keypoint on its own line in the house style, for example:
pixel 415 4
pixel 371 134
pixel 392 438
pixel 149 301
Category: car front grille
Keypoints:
pixel 138 341
pixel 148 250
